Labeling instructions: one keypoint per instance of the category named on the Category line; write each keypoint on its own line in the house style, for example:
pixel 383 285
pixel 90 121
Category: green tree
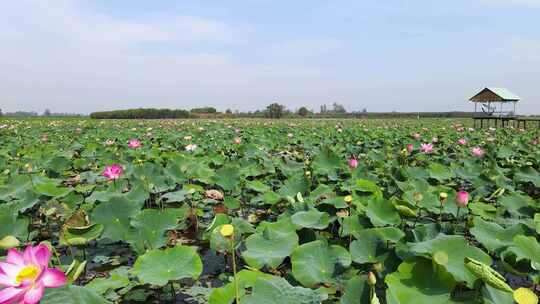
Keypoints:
pixel 275 110
pixel 303 111
pixel 47 112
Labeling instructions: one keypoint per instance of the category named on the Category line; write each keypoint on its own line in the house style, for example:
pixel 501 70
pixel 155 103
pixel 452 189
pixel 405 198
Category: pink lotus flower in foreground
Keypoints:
pixel 353 163
pixel 134 143
pixel 462 141
pixel 462 198
pixel 410 148
pixel 25 276
pixel 113 172
pixel 478 152
pixel 426 148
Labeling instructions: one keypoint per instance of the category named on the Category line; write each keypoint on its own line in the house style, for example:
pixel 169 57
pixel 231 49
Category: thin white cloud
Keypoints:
pixel 512 3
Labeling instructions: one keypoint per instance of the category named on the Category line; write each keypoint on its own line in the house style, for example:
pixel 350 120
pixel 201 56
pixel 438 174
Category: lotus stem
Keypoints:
pixel 233 255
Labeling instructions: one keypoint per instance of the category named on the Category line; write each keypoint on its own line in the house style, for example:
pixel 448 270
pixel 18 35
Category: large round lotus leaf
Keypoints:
pixel 381 212
pixel 11 223
pixel 114 215
pixel 517 204
pixel 226 294
pixel 311 219
pixel 439 172
pixel 356 291
pixel 72 294
pixel 449 251
pixel 417 281
pixel 493 295
pixel 528 174
pixel 527 248
pixel 368 186
pixel 158 267
pixel 293 185
pixel 77 236
pixel 269 247
pixel 258 186
pixel 150 226
pixel 227 177
pixel 278 290
pixel 50 189
pixel 366 248
pixel 493 236
pixel 316 262
pixel 118 278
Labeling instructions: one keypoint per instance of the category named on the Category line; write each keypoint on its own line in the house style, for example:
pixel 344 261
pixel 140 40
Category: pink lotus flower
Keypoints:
pixel 435 140
pixel 25 276
pixel 134 143
pixel 416 136
pixel 353 163
pixel 109 142
pixel 113 172
pixel 410 148
pixel 533 142
pixel 237 141
pixel 462 141
pixel 478 152
pixel 191 147
pixel 462 198
pixel 426 148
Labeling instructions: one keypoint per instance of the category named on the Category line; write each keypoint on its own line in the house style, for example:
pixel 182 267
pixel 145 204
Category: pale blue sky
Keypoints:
pixel 383 55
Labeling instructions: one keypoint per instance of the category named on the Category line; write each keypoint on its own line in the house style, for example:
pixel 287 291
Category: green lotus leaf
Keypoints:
pixel 311 219
pixel 258 186
pixel 517 204
pixel 368 186
pixel 278 290
pixel 316 262
pixel 72 294
pixel 78 236
pixel 381 212
pixel 158 267
pixel 526 248
pixel 356 291
pixel 227 177
pixel 50 189
pixel 115 215
pixel 150 227
pixel 528 174
pixel 118 278
pixel 370 244
pixel 417 282
pixel 450 251
pixel 493 236
pixel 440 172
pixel 226 294
pixel 269 247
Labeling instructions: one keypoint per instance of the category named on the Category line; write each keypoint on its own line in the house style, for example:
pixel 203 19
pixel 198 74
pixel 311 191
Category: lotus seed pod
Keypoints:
pixel 227 230
pixel 525 296
pixel 487 274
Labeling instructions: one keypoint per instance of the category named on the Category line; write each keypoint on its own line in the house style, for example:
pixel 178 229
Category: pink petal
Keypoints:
pixel 15 257
pixel 10 270
pixel 34 294
pixel 42 255
pixel 28 255
pixel 53 278
pixel 10 294
pixel 7 281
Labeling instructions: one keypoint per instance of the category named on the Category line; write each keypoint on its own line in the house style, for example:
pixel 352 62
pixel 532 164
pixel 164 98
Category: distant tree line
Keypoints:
pixel 148 113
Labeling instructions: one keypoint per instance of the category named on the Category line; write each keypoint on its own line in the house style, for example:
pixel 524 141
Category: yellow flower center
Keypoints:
pixel 28 273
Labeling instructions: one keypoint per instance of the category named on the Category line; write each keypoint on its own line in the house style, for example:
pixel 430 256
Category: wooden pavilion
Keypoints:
pixel 488 98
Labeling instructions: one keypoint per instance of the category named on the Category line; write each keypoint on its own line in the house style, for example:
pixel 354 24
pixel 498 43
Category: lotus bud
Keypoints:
pixel 372 279
pixel 442 197
pixel 347 199
pixel 462 198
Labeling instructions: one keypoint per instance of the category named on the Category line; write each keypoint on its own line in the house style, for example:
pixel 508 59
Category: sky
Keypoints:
pixel 382 55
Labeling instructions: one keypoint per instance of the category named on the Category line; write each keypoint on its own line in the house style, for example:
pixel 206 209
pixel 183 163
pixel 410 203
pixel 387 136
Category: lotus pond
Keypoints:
pixel 260 211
